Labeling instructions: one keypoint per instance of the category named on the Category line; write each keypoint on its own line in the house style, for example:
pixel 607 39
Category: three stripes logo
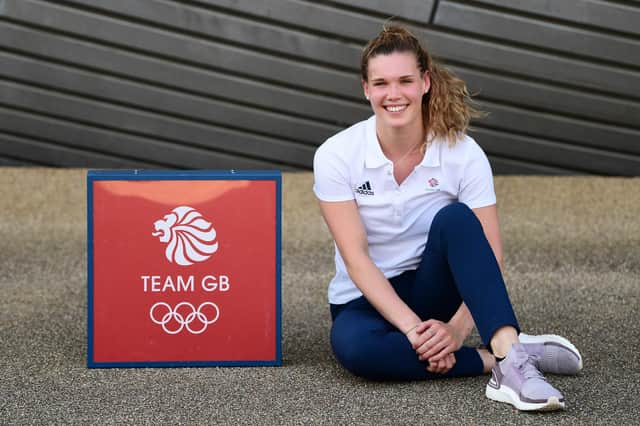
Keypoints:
pixel 365 189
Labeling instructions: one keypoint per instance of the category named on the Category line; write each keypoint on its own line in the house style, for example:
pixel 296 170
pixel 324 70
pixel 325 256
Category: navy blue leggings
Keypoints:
pixel 457 265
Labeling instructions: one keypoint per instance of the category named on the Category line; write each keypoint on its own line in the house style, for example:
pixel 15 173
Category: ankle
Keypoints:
pixel 502 341
pixel 488 360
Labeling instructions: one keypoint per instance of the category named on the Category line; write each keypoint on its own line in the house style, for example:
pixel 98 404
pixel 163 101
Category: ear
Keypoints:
pixel 427 82
pixel 365 88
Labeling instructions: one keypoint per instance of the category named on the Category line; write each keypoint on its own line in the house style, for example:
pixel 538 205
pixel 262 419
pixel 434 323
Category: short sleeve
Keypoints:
pixel 476 186
pixel 331 176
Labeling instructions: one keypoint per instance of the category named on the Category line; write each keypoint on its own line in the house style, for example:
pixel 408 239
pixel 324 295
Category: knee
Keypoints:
pixel 454 217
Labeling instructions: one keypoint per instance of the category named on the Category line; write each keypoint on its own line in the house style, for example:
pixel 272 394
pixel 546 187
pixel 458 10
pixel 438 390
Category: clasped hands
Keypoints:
pixel 436 341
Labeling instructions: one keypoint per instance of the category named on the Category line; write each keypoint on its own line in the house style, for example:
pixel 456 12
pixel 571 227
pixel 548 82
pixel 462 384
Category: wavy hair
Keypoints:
pixel 447 107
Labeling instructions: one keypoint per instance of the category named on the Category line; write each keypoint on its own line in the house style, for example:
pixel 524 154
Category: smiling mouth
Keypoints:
pixel 395 108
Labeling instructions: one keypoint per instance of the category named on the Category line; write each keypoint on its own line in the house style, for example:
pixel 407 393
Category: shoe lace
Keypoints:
pixel 528 364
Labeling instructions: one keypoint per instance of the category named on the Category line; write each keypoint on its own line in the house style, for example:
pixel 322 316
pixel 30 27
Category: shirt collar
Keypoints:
pixel 432 156
pixel 374 157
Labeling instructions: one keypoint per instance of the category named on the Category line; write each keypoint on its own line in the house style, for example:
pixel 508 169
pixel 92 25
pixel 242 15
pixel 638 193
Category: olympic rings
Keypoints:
pixel 181 319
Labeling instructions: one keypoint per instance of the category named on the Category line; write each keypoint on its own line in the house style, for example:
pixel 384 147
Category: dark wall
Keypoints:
pixel 259 84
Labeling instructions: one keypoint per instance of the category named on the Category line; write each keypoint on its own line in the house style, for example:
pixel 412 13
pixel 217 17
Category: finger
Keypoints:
pixel 440 355
pixel 436 367
pixel 427 342
pixel 440 339
pixel 428 347
pixel 437 347
pixel 449 362
pixel 443 367
pixel 432 322
pixel 432 326
pixel 423 336
pixel 422 327
pixel 444 351
pixel 420 342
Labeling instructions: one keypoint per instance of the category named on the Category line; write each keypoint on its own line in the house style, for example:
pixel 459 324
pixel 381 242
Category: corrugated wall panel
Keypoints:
pixel 246 84
pixel 602 14
pixel 562 128
pixel 11 162
pixel 502 25
pixel 540 96
pixel 60 155
pixel 107 61
pixel 158 152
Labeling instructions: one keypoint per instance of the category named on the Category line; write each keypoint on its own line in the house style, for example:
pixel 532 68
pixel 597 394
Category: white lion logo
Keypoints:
pixel 190 237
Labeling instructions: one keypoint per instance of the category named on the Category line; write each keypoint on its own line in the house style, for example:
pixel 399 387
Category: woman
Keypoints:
pixel 409 200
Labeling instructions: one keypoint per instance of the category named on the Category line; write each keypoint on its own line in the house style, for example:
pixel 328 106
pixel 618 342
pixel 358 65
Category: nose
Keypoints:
pixel 393 92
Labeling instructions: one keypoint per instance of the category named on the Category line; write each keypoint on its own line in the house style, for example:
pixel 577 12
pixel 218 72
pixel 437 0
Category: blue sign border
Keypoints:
pixel 132 175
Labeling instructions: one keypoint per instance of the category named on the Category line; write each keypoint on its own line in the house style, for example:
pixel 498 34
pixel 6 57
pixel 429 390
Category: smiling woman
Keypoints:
pixel 395 88
pixel 409 200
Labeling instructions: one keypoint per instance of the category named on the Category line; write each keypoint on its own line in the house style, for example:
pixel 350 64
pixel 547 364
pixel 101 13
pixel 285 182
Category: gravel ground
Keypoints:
pixel 572 265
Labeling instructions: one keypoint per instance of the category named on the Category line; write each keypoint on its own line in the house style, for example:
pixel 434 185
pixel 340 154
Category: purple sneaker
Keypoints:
pixel 516 380
pixel 554 354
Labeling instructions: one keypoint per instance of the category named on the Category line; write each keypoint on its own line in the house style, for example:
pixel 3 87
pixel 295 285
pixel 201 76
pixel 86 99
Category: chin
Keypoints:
pixel 398 122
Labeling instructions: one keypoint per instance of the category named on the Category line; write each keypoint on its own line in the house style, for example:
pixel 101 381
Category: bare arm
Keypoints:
pixel 348 231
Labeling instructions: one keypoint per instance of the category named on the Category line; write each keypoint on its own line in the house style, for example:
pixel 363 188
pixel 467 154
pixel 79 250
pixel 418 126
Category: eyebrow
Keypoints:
pixel 400 78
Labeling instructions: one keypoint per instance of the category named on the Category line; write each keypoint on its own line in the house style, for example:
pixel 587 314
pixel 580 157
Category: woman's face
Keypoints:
pixel 395 89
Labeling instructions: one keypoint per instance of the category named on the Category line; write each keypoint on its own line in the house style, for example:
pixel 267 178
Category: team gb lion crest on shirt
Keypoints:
pixel 190 237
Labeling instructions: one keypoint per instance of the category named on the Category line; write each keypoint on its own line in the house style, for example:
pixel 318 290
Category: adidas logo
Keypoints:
pixel 365 189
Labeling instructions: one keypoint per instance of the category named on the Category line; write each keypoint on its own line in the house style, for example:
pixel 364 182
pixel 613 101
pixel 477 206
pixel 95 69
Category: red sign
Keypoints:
pixel 183 271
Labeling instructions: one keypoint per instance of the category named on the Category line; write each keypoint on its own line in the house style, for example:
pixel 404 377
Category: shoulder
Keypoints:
pixel 465 145
pixel 463 161
pixel 345 148
pixel 464 151
pixel 471 147
pixel 336 161
pixel 347 140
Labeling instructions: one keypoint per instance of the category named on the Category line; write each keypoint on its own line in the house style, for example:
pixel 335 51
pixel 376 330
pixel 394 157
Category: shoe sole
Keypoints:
pixel 505 394
pixel 543 338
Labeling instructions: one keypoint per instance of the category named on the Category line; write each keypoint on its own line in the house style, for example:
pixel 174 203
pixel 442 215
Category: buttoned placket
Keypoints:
pixel 392 192
pixel 397 199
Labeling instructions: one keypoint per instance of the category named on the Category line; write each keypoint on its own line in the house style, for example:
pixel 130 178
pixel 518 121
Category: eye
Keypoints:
pixel 379 83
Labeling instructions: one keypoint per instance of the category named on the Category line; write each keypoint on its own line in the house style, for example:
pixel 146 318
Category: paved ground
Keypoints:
pixel 572 266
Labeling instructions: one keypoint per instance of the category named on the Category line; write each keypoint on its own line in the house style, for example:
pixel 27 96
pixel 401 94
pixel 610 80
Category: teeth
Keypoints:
pixel 396 108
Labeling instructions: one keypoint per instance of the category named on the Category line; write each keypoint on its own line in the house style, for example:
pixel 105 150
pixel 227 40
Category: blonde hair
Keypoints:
pixel 446 107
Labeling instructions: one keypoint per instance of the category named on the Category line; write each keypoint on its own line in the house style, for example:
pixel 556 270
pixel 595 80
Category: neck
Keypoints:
pixel 396 143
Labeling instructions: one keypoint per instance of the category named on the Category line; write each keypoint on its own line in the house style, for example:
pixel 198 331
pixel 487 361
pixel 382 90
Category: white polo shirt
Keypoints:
pixel 397 218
